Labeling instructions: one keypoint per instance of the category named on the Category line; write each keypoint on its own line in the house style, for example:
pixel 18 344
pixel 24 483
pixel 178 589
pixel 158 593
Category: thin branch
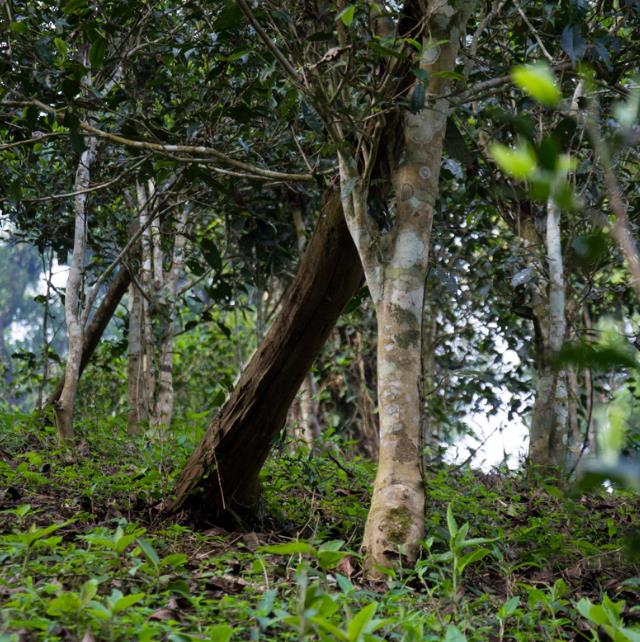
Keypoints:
pixel 96 286
pixel 93 188
pixel 621 230
pixel 192 284
pixel 534 32
pixel 257 172
pixel 28 141
pixel 262 34
pixel 196 149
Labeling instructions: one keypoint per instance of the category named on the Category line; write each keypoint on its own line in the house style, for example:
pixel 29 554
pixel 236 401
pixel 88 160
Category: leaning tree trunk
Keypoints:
pixel 98 325
pixel 221 476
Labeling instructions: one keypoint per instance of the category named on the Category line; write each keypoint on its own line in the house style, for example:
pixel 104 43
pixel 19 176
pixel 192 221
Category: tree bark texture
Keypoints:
pixel 73 296
pixel 221 476
pixel 549 433
pixel 137 410
pixel 396 278
pixel 159 276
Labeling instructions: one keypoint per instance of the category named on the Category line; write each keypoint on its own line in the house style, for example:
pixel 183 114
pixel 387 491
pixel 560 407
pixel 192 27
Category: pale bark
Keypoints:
pixel 309 411
pixel 137 413
pixel 159 292
pixel 164 403
pixel 73 296
pixel 308 424
pixel 94 331
pixel 550 418
pixel 395 266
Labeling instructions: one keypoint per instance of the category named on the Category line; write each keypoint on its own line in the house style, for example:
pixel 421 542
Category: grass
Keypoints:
pixel 85 556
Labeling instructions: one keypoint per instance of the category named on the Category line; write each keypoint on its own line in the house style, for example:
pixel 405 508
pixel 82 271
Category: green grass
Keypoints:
pixel 85 556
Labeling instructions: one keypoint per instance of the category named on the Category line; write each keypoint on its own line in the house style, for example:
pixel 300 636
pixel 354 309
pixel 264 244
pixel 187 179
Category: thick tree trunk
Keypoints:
pixel 221 476
pixel 98 325
pixel 395 524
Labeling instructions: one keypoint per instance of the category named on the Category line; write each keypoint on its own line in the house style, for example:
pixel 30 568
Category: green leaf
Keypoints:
pixel 174 560
pixel 509 608
pixel 472 557
pixel 337 633
pixel 123 542
pixel 35 534
pixel 19 27
pixel 126 601
pixel 64 604
pixel 451 522
pixel 88 591
pixel 289 548
pixel 539 82
pixel 97 52
pixel 573 43
pixel 77 7
pixel 99 610
pixel 592 612
pixel 360 620
pixel 519 162
pixel 149 552
pixel 220 633
pixel 454 634
pixel 347 15
pixel 211 254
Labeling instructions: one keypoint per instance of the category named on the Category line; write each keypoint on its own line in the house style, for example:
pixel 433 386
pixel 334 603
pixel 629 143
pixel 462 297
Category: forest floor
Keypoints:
pixel 84 556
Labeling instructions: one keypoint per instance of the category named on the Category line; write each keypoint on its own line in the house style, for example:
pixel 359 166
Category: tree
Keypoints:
pixel 212 486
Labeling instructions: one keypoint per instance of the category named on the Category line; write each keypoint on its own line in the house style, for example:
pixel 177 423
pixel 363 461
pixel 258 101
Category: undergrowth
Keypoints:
pixel 85 556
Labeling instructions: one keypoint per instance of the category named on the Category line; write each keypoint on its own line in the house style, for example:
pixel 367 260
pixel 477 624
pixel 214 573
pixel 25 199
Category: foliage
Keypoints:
pixel 506 562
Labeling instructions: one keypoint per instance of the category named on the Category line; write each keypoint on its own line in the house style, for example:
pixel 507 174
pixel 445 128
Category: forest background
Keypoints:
pixel 307 243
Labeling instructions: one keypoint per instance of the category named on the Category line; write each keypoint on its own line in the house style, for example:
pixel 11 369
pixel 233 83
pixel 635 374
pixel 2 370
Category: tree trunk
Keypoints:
pixel 550 419
pixel 221 476
pixel 396 276
pixel 309 411
pixel 395 523
pixel 98 325
pixel 73 297
pixel 308 423
pixel 137 412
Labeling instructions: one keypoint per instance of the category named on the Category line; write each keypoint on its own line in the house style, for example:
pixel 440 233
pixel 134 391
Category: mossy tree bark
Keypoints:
pixel 221 477
pixel 395 266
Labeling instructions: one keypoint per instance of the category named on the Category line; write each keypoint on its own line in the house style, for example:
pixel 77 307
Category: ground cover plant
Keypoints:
pixel 87 556
pixel 319 320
